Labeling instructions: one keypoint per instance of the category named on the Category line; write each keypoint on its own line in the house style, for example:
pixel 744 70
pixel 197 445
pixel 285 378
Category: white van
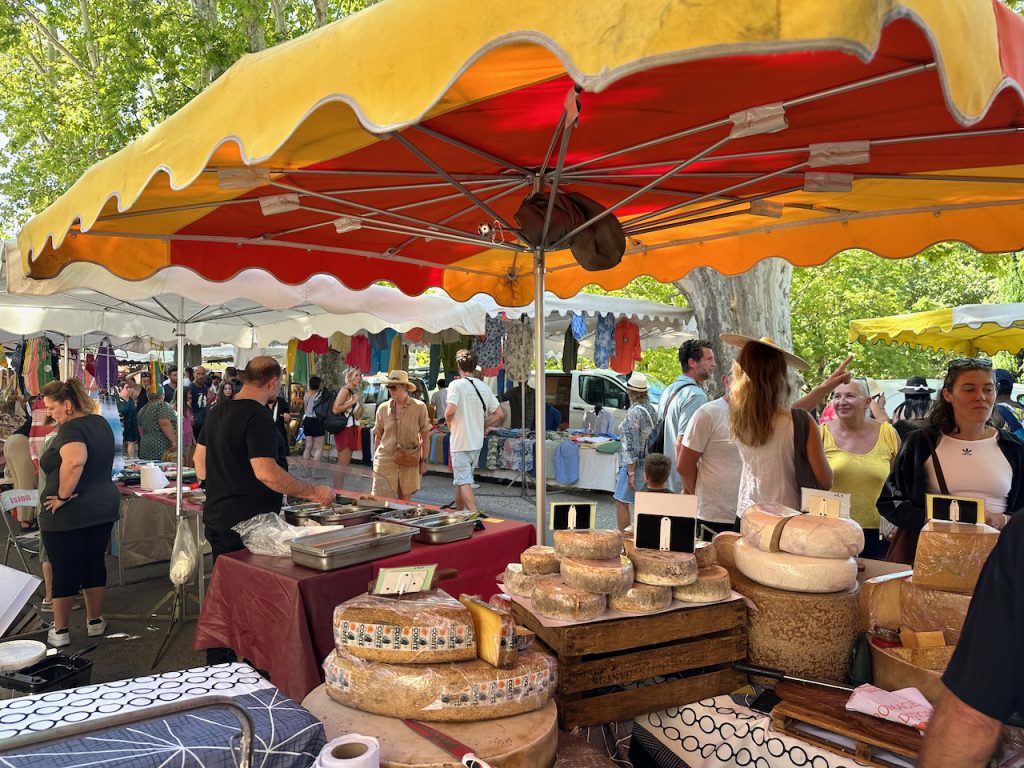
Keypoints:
pixel 576 393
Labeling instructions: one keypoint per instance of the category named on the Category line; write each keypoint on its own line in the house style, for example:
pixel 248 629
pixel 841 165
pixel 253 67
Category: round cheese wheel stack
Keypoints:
pixel 814 536
pixel 421 628
pixel 762 525
pixel 538 560
pixel 806 634
pixel 469 690
pixel 795 572
pixel 712 585
pixel 599 544
pixel 553 598
pixel 605 576
pixel 670 569
pixel 704 551
pixel 516 582
pixel 642 598
pixel 725 546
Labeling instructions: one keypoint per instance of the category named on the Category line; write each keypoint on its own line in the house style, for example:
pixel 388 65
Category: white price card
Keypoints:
pixel 404 581
pixel 824 503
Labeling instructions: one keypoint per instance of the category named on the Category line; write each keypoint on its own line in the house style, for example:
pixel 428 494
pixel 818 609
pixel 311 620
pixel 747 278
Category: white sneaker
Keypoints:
pixel 95 628
pixel 58 639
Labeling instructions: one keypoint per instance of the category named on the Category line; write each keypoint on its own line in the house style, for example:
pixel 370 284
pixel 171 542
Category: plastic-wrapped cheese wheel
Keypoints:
pixel 555 599
pixel 795 572
pixel 671 569
pixel 814 536
pixel 642 598
pixel 712 585
pixel 539 560
pixel 598 544
pixel 763 524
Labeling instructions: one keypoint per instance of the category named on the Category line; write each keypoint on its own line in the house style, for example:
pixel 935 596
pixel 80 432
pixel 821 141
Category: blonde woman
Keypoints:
pixel 348 403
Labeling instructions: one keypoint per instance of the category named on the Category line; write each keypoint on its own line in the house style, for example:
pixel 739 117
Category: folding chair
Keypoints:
pixel 23 543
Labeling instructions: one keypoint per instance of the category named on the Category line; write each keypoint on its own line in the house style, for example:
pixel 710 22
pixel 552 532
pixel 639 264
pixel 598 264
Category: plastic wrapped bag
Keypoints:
pixel 268 534
pixel 184 555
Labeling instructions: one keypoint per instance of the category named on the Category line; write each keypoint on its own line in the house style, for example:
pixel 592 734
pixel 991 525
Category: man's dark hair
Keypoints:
pixel 656 468
pixel 441 383
pixel 231 372
pixel 260 371
pixel 692 349
pixel 189 371
pixel 314 382
pixel 467 361
pixel 172 369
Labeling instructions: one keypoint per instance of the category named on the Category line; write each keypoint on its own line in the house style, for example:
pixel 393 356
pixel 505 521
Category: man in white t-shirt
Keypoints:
pixel 440 400
pixel 471 410
pixel 710 465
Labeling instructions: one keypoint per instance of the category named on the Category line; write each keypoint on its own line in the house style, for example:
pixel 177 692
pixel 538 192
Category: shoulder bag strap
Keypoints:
pixel 472 386
pixel 935 463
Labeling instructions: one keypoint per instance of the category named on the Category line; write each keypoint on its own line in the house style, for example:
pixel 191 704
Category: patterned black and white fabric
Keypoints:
pixel 286 735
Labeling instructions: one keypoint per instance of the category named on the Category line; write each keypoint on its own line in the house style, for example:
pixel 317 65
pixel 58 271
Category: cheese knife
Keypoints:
pixel 447 743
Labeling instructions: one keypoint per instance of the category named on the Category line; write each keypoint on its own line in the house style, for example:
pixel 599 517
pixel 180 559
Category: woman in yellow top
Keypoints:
pixel 400 442
pixel 861 452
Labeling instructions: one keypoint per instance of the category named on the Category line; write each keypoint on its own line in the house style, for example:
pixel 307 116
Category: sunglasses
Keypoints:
pixel 969 362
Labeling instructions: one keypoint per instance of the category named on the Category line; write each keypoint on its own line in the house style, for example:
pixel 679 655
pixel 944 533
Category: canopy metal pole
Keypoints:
pixel 539 392
pixel 65 361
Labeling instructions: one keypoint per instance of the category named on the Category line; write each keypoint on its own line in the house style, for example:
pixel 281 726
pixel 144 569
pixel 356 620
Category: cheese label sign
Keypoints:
pixel 825 503
pixel 955 509
pixel 404 581
pixel 573 516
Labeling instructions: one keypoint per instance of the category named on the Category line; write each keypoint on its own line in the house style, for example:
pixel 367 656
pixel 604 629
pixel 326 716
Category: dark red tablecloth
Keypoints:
pixel 279 615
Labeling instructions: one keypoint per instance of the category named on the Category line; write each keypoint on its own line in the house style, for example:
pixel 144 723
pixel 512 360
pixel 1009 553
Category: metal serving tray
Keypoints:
pixel 441 530
pixel 350 546
pixel 411 515
pixel 343 515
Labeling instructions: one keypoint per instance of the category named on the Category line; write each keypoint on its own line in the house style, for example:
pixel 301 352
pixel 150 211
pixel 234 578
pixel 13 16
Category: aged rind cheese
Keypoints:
pixel 495 631
pixel 795 572
pixel 924 610
pixel 517 582
pixel 762 525
pixel 712 585
pixel 553 598
pixel 880 601
pixel 607 576
pixel 670 569
pixel 805 634
pixel 814 536
pixel 704 551
pixel 539 560
pixel 950 555
pixel 642 598
pixel 897 668
pixel 598 544
pixel 417 629
pixel 725 547
pixel 524 638
pixel 471 690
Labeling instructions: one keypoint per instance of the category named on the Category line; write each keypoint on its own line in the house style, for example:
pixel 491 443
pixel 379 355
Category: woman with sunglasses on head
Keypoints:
pixel 975 459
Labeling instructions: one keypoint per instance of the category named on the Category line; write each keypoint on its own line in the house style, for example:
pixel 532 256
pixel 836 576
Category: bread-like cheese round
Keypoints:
pixel 598 544
pixel 704 551
pixel 763 524
pixel 670 569
pixel 642 598
pixel 538 560
pixel 725 546
pixel 417 629
pixel 470 690
pixel 814 536
pixel 516 582
pixel 712 585
pixel 795 573
pixel 606 576
pixel 553 598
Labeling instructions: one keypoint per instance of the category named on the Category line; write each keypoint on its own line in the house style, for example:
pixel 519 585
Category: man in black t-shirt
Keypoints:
pixel 198 393
pixel 985 678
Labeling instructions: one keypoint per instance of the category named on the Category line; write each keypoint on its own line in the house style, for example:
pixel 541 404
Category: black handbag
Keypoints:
pixel 802 422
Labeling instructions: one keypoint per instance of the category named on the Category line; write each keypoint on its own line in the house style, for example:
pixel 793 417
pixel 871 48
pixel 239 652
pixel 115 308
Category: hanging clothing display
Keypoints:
pixel 108 410
pixel 289 356
pixel 414 335
pixel 359 353
pixel 193 356
pixel 315 344
pixel 341 342
pixel 45 372
pixel 570 352
pixel 488 349
pixel 396 360
pixel 627 346
pixel 31 370
pixel 604 339
pixel 301 371
pixel 434 369
pixel 519 348
pixel 578 325
pixel 18 364
pixel 106 365
pixel 448 351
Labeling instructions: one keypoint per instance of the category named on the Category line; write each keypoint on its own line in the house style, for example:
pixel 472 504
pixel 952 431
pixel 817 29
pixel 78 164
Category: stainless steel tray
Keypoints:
pixel 350 546
pixel 441 530
pixel 411 515
pixel 344 515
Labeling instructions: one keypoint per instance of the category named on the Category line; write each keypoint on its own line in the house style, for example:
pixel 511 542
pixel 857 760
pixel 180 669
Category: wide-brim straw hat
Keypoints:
pixel 399 378
pixel 637 382
pixel 739 341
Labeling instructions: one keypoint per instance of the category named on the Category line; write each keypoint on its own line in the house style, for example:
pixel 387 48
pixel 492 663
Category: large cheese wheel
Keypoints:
pixel 652 566
pixel 814 536
pixel 538 560
pixel 725 546
pixel 553 598
pixel 795 572
pixel 607 576
pixel 929 610
pixel 762 525
pixel 517 582
pixel 880 601
pixel 642 598
pixel 704 551
pixel 712 585
pixel 950 555
pixel 808 635
pixel 417 629
pixel 470 690
pixel 599 544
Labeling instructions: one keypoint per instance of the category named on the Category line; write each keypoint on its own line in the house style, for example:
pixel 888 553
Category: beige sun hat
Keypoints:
pixel 739 341
pixel 637 382
pixel 400 379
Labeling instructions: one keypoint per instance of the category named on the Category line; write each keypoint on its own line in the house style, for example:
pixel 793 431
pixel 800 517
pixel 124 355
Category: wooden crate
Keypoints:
pixel 698 642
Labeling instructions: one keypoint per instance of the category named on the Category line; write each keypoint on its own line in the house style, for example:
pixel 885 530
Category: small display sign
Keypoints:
pixel 665 521
pixel 404 581
pixel 955 509
pixel 573 516
pixel 824 503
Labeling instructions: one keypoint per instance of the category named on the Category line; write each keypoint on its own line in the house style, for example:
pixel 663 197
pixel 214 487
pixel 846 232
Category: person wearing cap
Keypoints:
pixel 472 408
pixel 1008 413
pixel 683 397
pixel 762 424
pixel 400 430
pixel 636 428
pixel 911 413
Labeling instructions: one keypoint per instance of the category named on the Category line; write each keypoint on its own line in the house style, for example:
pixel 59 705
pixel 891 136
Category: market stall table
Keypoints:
pixel 145 533
pixel 279 615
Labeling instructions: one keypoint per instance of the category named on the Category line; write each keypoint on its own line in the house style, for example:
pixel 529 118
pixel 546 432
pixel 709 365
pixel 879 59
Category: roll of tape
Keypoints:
pixel 350 751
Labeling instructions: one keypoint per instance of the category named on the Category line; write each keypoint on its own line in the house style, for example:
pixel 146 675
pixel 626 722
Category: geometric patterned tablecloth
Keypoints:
pixel 286 735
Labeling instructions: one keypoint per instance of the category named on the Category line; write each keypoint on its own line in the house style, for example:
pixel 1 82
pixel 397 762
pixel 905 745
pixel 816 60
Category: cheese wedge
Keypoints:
pixel 495 632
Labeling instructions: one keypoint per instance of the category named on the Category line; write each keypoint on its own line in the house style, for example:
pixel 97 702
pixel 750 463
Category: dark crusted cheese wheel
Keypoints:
pixel 642 598
pixel 704 551
pixel 417 629
pixel 669 569
pixel 712 585
pixel 599 544
pixel 538 560
pixel 553 598
pixel 607 576
pixel 517 582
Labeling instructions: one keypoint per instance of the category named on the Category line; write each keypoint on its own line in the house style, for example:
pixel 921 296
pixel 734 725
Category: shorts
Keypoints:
pixel 347 438
pixel 312 427
pixel 463 463
pixel 623 492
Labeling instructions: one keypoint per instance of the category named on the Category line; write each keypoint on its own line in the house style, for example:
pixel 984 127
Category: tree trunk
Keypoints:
pixel 755 304
pixel 90 43
pixel 280 22
pixel 320 6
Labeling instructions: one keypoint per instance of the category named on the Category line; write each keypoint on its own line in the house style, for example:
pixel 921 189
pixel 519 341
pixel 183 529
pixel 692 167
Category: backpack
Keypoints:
pixel 656 442
pixel 323 404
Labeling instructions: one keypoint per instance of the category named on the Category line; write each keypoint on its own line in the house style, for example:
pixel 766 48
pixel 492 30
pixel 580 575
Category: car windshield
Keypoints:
pixel 654 387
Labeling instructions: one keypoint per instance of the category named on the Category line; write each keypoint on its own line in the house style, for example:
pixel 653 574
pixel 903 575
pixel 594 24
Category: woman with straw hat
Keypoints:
pixel 636 428
pixel 400 434
pixel 762 424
